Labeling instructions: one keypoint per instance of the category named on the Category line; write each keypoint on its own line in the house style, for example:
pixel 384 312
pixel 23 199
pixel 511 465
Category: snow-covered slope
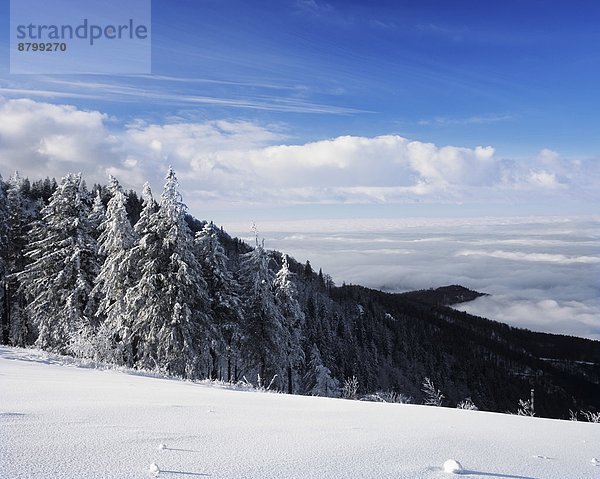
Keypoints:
pixel 64 421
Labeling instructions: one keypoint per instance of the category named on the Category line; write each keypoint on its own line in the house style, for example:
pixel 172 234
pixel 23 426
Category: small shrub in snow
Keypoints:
pixel 81 344
pixel 591 416
pixel 392 396
pixel 433 396
pixel 387 396
pixel 452 467
pixel 573 415
pixel 372 398
pixel 263 386
pixel 318 380
pixel 350 389
pixel 525 408
pixel 260 385
pixel 467 404
pixel 94 345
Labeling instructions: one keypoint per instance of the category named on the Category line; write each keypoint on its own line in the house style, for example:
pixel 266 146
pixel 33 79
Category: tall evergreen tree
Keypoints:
pixel 48 188
pixel 62 267
pixel 293 317
pixel 97 215
pixel 308 271
pixel 170 328
pixel 149 207
pixel 225 305
pixel 19 217
pixel 262 327
pixel 4 304
pixel 116 276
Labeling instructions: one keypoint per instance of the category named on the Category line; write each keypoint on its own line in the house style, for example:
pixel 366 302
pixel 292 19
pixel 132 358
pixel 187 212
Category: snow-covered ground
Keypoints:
pixel 61 420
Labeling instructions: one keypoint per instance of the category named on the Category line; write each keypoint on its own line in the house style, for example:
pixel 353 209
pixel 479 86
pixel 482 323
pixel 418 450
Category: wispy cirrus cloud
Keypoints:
pixel 456 34
pixel 470 120
pixel 178 92
pixel 249 83
pixel 314 7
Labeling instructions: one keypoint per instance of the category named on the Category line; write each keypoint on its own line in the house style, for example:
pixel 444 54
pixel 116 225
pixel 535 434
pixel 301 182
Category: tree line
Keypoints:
pixel 103 274
pixel 79 278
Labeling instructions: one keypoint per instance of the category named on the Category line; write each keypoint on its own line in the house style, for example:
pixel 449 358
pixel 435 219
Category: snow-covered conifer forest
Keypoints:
pixel 104 275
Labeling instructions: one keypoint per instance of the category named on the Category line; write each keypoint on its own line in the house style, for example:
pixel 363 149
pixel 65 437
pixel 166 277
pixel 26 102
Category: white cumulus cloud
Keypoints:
pixel 240 163
pixel 46 139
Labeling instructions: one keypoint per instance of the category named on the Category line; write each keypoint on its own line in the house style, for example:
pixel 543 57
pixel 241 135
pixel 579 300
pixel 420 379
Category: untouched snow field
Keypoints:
pixel 60 420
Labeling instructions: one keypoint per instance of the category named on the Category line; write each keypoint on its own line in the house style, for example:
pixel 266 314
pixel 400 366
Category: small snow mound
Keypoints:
pixel 154 469
pixel 161 446
pixel 452 467
pixel 595 461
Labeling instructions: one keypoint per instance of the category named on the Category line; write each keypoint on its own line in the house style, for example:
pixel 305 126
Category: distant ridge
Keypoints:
pixel 445 295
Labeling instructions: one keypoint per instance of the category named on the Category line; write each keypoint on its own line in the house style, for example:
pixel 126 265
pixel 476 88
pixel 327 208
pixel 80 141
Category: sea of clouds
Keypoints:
pixel 541 273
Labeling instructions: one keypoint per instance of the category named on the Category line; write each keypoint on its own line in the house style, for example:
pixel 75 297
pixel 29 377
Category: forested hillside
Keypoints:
pixel 101 274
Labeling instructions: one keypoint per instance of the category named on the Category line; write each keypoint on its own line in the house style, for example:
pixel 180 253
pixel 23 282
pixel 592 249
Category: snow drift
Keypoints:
pixel 61 420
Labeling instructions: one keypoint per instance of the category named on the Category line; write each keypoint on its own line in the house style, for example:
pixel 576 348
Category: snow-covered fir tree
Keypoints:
pixel 116 276
pixel 4 324
pixel 262 328
pixel 225 305
pixel 20 214
pixel 286 295
pixel 96 218
pixel 170 328
pixel 97 215
pixel 150 206
pixel 318 380
pixel 62 267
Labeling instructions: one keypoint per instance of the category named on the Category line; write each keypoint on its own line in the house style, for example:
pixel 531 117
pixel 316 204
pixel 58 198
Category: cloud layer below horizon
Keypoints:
pixel 229 164
pixel 541 273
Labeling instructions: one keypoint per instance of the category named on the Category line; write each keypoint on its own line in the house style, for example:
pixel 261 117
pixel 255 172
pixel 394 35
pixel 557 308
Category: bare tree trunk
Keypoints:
pixel 214 366
pixel 5 314
pixel 289 378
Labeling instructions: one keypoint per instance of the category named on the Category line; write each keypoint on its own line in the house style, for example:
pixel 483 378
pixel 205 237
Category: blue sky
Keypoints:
pixel 257 96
